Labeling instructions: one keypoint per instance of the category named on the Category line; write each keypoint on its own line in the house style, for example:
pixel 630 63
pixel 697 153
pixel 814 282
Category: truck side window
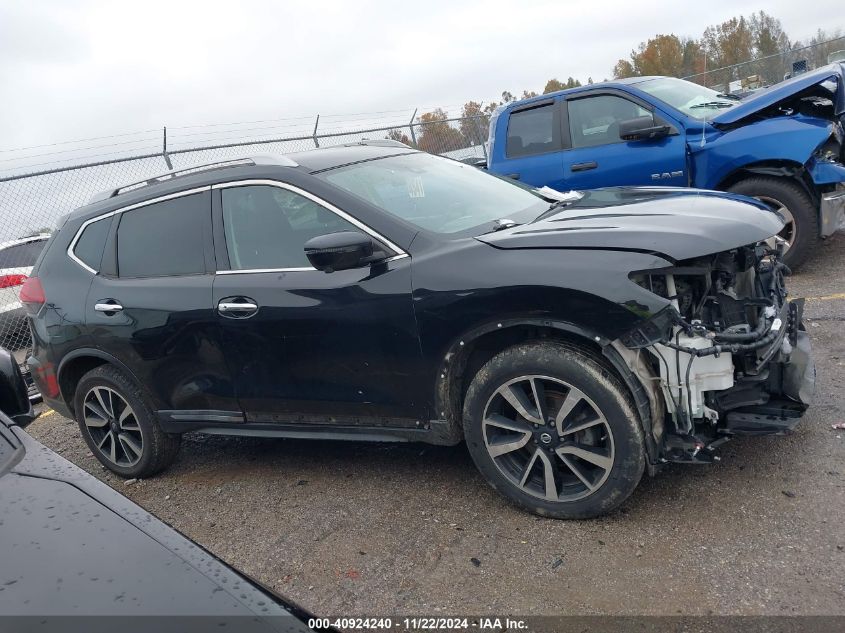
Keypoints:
pixel 595 120
pixel 531 131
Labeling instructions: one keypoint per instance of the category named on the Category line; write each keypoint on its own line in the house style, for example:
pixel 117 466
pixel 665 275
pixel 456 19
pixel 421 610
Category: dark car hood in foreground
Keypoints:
pixel 673 222
pixel 72 546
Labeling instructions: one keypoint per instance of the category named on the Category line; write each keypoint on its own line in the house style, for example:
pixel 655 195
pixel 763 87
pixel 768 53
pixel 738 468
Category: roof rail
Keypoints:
pixel 280 160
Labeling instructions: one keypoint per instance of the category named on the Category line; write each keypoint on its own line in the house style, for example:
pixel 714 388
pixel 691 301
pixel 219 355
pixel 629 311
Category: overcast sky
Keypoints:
pixel 76 69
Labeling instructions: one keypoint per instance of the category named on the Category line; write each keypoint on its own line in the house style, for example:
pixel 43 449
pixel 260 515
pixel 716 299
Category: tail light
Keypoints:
pixel 32 295
pixel 10 281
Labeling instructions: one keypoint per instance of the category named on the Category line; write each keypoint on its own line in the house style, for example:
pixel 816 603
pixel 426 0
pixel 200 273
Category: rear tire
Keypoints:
pixel 580 456
pixel 786 193
pixel 119 427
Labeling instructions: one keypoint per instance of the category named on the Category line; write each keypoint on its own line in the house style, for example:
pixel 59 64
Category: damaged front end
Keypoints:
pixel 729 354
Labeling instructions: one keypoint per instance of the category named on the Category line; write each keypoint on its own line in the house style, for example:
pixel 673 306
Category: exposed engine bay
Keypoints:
pixel 730 353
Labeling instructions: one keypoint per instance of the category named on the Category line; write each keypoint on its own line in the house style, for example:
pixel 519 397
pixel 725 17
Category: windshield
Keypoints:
pixel 437 194
pixel 691 99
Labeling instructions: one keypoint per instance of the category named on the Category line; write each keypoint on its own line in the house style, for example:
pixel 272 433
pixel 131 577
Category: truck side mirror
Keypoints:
pixel 641 128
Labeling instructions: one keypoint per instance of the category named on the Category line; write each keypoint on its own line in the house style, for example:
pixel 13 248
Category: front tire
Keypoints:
pixel 551 428
pixel 119 427
pixel 792 201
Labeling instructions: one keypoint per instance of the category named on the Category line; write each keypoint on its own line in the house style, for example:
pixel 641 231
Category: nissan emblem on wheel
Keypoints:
pixel 373 292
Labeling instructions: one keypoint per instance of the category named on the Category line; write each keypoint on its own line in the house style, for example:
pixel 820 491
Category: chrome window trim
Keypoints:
pixel 294 270
pixel 400 253
pixel 137 205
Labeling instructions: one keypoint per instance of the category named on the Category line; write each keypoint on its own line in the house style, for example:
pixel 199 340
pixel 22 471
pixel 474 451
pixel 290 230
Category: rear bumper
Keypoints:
pixel 44 376
pixel 832 211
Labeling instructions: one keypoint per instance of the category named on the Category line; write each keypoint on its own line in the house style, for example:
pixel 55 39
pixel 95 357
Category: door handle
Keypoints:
pixel 513 176
pixel 108 305
pixel 237 307
pixel 584 166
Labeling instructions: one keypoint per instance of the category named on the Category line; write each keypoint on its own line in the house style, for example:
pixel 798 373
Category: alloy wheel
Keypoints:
pixel 548 438
pixel 113 426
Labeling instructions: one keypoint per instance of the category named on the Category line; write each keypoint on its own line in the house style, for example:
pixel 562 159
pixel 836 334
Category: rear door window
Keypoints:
pixel 532 131
pixel 164 238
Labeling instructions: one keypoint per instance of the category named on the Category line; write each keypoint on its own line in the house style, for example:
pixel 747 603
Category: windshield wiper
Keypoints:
pixel 712 104
pixel 502 224
pixel 727 96
pixel 552 208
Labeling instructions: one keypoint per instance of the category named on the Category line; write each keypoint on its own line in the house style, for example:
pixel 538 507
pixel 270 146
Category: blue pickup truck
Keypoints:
pixel 783 145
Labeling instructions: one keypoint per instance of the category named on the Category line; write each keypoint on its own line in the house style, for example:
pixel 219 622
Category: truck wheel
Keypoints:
pixel 553 430
pixel 790 200
pixel 119 427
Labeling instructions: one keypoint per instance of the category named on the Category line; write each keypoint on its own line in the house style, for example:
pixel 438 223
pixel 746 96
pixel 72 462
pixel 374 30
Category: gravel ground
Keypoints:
pixel 358 529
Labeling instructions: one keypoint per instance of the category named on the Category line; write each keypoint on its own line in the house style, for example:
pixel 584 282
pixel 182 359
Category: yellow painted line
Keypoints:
pixel 833 297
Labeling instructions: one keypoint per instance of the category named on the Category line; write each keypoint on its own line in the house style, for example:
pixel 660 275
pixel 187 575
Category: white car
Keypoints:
pixel 17 258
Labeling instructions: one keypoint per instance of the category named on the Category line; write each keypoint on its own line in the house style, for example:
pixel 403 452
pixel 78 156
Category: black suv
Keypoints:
pixel 373 292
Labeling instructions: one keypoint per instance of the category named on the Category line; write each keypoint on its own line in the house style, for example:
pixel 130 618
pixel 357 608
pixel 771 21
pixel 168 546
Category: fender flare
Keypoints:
pixel 793 171
pixel 96 353
pixel 448 399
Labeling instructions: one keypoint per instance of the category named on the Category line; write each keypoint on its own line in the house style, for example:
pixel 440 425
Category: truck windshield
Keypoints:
pixel 693 100
pixel 437 194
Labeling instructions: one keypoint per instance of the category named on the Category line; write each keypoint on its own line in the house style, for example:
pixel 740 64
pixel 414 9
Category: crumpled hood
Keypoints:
pixel 673 222
pixel 786 89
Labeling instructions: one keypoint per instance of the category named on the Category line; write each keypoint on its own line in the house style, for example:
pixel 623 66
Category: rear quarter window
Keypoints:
pixel 91 243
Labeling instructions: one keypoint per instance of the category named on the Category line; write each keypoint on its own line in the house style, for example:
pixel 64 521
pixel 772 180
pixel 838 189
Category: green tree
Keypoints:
pixel 475 119
pixel 661 55
pixel 436 135
pixel 623 69
pixel 821 45
pixel 553 85
pixel 727 44
pixel 397 134
pixel 771 47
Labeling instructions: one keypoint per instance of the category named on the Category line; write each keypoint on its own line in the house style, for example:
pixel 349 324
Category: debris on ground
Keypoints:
pixel 475 561
pixel 839 426
pixel 129 482
pixel 788 493
pixel 557 563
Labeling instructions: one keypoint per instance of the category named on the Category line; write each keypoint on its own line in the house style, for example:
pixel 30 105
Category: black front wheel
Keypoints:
pixel 118 425
pixel 551 428
pixel 787 197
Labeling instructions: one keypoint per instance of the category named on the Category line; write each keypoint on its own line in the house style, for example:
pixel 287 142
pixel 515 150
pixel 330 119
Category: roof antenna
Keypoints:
pixel 704 120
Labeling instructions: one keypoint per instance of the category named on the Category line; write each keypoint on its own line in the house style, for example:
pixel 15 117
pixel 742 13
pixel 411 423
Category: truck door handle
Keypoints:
pixel 584 166
pixel 237 307
pixel 513 176
pixel 108 305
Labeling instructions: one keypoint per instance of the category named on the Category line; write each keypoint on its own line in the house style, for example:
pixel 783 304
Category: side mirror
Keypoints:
pixel 339 251
pixel 641 128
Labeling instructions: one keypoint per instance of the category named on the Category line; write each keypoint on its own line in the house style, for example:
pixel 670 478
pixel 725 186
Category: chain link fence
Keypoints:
pixel 768 70
pixel 32 201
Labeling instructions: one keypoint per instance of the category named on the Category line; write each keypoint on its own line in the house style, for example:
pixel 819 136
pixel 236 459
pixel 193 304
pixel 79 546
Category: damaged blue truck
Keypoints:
pixel 782 145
